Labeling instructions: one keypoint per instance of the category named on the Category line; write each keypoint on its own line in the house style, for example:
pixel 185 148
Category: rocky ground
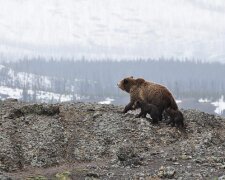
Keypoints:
pixel 92 141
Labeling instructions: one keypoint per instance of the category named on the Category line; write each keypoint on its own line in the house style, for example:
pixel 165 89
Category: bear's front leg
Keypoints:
pixel 155 120
pixel 128 107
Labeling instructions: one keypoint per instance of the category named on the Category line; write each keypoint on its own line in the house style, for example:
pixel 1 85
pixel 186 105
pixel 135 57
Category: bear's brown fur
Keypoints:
pixel 176 117
pixel 147 108
pixel 141 90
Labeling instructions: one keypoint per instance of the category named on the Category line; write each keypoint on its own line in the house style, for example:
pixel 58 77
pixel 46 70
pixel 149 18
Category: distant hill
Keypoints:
pixel 49 80
pixel 32 87
pixel 99 77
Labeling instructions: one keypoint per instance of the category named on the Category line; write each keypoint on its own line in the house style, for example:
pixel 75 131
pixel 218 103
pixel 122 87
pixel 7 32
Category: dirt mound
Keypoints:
pixel 93 141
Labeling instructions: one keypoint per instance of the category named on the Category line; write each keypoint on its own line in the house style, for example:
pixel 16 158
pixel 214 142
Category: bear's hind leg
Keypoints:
pixel 141 114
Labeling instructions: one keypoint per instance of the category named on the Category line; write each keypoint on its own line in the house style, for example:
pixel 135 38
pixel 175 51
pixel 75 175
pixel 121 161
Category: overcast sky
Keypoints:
pixel 113 28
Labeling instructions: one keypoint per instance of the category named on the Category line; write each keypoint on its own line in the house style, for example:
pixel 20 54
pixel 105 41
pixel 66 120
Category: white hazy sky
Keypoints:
pixel 113 28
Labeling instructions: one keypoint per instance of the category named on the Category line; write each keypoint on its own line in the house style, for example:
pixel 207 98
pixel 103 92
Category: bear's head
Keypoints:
pixel 127 83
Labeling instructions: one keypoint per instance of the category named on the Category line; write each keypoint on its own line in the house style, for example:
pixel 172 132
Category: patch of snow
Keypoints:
pixel 10 92
pixel 201 100
pixel 44 96
pixel 106 101
pixel 1 67
pixel 27 79
pixel 11 73
pixel 77 97
pixel 30 79
pixel 65 98
pixel 178 101
pixel 220 105
pixel 41 96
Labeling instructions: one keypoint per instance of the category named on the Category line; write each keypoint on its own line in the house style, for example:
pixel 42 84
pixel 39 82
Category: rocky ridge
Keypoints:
pixel 93 141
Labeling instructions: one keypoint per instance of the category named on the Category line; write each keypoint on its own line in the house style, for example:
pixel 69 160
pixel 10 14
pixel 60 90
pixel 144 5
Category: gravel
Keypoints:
pixel 93 141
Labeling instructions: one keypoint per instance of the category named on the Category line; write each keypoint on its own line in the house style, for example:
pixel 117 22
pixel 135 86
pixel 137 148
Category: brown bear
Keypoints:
pixel 141 90
pixel 147 108
pixel 176 117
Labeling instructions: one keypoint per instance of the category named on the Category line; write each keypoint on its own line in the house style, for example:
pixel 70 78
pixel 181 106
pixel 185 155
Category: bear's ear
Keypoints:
pixel 132 77
pixel 125 81
pixel 140 81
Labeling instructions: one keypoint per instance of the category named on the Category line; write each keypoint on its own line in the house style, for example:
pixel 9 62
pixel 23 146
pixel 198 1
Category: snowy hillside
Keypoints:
pixel 40 96
pixel 31 87
pixel 21 79
pixel 113 28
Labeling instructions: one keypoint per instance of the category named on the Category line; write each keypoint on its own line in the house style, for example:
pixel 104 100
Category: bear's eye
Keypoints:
pixel 125 81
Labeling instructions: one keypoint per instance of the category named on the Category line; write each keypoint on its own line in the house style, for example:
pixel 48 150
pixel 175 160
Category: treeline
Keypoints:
pixel 99 78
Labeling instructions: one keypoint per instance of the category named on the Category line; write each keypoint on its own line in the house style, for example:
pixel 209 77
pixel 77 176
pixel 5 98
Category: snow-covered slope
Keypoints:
pixel 113 28
pixel 220 105
pixel 40 96
pixel 23 79
pixel 31 87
